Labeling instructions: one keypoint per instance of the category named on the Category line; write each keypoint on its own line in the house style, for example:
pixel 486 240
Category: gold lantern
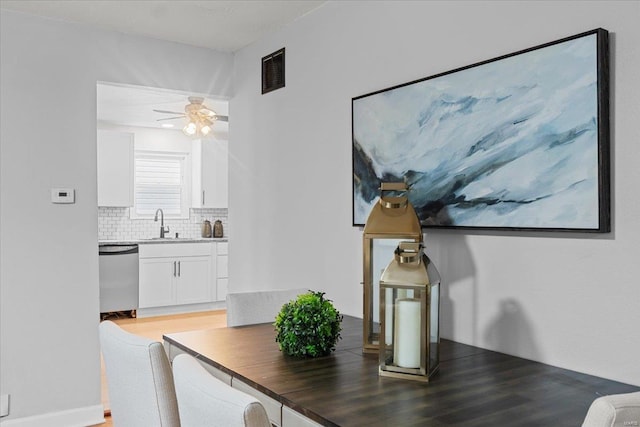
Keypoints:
pixel 409 313
pixel 392 217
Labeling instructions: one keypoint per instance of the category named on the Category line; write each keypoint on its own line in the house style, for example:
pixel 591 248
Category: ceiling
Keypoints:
pixel 220 25
pixel 224 26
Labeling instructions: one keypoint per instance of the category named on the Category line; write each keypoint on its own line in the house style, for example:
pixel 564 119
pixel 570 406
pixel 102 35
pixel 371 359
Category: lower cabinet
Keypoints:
pixel 193 280
pixel 174 274
pixel 157 282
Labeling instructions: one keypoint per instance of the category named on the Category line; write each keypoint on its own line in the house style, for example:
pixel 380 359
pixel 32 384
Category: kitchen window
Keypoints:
pixel 162 181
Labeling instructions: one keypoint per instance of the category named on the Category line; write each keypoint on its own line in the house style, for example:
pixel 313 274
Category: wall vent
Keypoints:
pixel 273 71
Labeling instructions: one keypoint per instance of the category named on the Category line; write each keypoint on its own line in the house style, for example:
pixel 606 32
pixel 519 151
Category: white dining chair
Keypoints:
pixel 615 410
pixel 205 401
pixel 139 379
pixel 250 308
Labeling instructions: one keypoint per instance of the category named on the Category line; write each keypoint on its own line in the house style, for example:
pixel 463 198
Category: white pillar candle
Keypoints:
pixel 407 333
pixel 388 316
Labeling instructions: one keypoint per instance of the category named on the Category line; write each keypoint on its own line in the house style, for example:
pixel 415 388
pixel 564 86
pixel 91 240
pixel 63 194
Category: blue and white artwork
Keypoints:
pixel 508 143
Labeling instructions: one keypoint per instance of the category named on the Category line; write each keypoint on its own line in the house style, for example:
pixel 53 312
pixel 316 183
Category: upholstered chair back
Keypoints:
pixel 205 401
pixel 250 308
pixel 139 379
pixel 616 410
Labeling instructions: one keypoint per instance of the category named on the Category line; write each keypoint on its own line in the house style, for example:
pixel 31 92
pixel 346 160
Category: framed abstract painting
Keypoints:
pixel 518 142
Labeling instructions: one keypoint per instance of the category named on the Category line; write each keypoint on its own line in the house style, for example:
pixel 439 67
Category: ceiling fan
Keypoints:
pixel 200 117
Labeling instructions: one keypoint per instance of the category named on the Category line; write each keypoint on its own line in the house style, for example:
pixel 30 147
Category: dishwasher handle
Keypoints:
pixel 117 249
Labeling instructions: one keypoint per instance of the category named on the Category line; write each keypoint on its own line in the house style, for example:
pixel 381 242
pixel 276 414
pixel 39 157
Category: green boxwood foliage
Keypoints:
pixel 308 326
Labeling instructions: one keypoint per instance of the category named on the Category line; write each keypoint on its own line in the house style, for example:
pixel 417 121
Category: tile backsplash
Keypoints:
pixel 115 224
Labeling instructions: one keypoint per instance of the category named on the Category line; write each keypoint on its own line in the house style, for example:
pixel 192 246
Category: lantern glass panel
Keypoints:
pixel 434 334
pixel 403 311
pixel 381 253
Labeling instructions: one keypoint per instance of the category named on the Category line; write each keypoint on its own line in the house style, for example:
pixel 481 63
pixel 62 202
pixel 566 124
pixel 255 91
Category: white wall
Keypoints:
pixel 570 300
pixel 49 353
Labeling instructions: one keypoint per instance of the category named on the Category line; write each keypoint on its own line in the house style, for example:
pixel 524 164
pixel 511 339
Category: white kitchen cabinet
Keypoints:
pixel 222 271
pixel 210 173
pixel 194 281
pixel 175 274
pixel 157 282
pixel 115 168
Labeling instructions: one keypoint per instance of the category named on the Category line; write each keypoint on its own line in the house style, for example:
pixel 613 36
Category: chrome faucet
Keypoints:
pixel 163 229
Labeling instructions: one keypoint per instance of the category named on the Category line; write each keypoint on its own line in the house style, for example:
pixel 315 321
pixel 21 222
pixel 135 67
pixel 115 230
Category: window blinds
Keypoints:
pixel 158 185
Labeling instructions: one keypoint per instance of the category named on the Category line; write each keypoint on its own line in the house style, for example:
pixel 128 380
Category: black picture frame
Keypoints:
pixel 517 142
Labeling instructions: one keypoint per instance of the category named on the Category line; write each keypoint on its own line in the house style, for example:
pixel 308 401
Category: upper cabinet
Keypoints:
pixel 210 169
pixel 115 168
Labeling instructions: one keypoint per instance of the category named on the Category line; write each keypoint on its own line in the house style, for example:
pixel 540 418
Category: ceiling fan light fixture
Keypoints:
pixel 190 129
pixel 206 126
pixel 200 117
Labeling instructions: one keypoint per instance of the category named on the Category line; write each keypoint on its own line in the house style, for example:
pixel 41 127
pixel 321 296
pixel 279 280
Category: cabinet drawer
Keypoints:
pixel 222 265
pixel 165 250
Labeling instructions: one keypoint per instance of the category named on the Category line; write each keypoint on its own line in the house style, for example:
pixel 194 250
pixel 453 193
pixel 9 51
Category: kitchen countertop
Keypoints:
pixel 165 240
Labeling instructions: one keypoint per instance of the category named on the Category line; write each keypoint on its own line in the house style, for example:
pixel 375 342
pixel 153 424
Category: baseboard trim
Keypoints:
pixel 79 417
pixel 180 309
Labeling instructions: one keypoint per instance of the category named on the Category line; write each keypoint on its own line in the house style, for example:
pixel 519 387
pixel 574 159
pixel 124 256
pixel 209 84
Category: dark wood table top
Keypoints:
pixel 474 387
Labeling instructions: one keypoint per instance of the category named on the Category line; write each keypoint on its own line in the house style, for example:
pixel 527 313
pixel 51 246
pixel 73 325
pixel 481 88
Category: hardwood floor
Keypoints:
pixel 154 327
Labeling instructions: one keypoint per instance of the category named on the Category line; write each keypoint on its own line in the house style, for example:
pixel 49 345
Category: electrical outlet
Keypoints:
pixel 4 405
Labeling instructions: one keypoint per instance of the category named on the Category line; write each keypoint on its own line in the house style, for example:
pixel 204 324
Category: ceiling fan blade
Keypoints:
pixel 170 118
pixel 168 112
pixel 222 118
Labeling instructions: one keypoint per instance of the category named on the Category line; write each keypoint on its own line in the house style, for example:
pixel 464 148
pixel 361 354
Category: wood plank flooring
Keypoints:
pixel 155 327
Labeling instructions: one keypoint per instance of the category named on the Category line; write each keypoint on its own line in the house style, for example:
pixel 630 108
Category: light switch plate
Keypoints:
pixel 4 405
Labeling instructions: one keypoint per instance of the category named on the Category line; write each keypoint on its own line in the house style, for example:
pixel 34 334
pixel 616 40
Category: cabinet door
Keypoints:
pixel 214 172
pixel 115 168
pixel 157 277
pixel 194 280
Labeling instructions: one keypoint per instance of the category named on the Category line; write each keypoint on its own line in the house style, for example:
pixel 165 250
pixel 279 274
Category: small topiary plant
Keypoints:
pixel 308 326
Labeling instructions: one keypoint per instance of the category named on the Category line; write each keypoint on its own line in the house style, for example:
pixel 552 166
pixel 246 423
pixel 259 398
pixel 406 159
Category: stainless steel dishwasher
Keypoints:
pixel 118 277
